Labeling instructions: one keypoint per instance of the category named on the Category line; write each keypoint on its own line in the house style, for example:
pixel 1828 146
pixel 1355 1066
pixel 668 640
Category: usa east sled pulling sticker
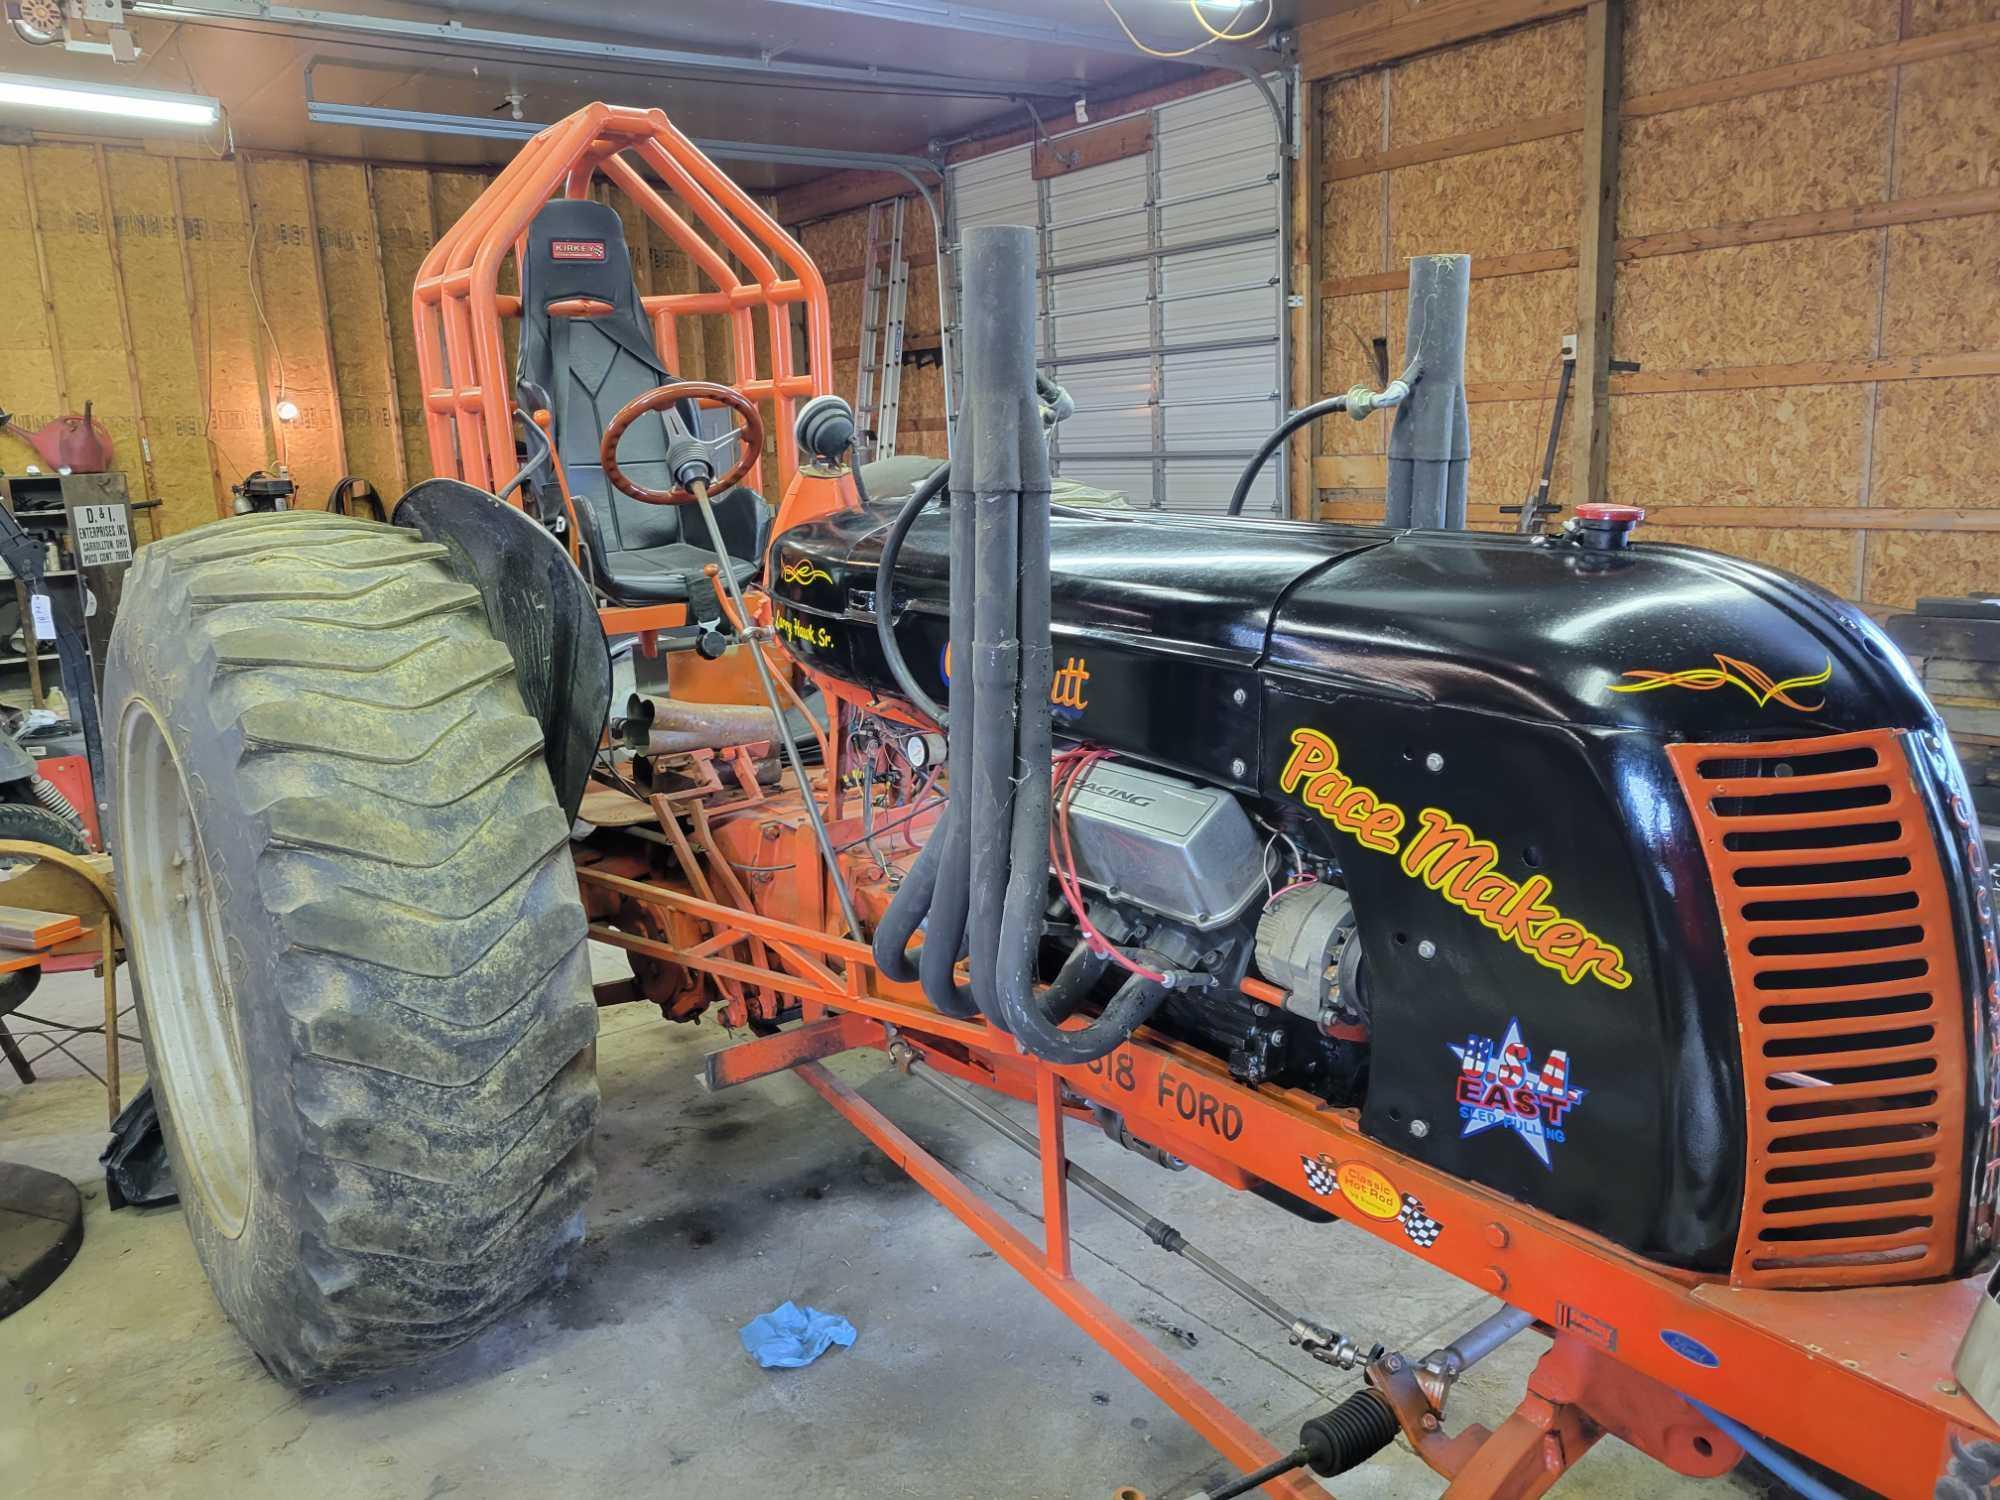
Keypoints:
pixel 1498 1088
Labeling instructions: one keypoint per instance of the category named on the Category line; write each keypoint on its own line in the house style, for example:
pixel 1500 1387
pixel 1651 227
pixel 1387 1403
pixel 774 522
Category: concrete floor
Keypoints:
pixel 125 1378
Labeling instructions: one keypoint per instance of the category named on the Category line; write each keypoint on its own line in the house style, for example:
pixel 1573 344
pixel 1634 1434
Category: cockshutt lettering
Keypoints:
pixel 1454 861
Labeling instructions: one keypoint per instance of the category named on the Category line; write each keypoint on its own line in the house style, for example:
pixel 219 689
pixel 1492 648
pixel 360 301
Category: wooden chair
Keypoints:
pixel 48 886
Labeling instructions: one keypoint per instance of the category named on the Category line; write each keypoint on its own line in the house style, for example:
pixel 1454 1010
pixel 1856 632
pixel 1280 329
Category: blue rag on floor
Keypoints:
pixel 790 1336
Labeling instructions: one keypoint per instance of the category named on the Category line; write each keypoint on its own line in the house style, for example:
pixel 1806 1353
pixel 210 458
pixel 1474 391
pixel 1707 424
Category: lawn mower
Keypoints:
pixel 1602 922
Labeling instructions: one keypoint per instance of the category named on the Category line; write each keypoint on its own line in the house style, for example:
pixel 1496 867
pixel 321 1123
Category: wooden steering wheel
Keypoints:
pixel 750 437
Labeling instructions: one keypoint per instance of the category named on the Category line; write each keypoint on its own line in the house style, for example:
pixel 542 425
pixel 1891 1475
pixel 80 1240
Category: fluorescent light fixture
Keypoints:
pixel 94 99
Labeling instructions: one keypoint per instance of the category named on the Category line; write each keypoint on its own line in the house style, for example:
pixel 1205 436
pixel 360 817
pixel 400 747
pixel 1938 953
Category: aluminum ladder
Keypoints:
pixel 885 295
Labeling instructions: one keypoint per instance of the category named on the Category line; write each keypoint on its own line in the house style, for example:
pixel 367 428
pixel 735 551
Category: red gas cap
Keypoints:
pixel 1604 527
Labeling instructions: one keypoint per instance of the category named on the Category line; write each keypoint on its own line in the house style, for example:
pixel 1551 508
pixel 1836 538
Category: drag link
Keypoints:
pixel 1323 1344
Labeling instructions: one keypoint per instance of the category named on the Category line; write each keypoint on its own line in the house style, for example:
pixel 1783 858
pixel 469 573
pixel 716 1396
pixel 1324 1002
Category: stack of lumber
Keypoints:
pixel 27 930
pixel 1955 646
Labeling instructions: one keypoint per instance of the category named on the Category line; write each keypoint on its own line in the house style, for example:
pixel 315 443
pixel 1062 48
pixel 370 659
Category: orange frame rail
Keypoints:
pixel 1857 1378
pixel 458 306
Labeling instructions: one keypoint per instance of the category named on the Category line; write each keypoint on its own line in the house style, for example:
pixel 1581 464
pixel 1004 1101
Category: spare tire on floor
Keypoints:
pixel 360 955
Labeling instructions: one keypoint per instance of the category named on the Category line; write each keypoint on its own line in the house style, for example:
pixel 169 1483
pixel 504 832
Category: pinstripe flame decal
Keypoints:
pixel 1731 672
pixel 799 570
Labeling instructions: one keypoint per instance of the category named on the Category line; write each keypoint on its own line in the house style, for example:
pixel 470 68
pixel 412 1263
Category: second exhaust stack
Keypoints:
pixel 1431 439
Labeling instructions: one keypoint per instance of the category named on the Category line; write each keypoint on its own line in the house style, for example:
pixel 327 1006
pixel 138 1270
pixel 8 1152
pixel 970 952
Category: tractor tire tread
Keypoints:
pixel 432 974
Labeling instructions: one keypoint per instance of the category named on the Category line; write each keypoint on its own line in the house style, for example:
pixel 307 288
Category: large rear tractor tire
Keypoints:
pixel 361 960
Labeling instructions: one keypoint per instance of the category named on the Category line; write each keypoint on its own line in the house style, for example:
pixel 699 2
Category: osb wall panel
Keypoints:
pixel 922 424
pixel 1502 202
pixel 1827 558
pixel 1940 297
pixel 1767 304
pixel 1791 151
pixel 921 313
pixel 1351 117
pixel 1903 565
pixel 288 296
pixel 30 388
pixel 402 203
pixel 1826 301
pixel 1348 328
pixel 1937 444
pixel 838 246
pixel 1508 439
pixel 1930 16
pixel 1672 42
pixel 351 264
pixel 1793 445
pixel 1351 226
pixel 1513 327
pixel 1516 76
pixel 149 248
pixel 1948 125
pixel 718 337
pixel 69 215
pixel 227 338
pixel 668 270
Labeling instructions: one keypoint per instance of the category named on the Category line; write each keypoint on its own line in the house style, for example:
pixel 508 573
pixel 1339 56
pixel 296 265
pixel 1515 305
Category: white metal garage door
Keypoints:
pixel 1162 299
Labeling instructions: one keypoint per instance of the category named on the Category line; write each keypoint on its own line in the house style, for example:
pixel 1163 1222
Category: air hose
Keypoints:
pixel 885 586
pixel 1276 441
pixel 1357 402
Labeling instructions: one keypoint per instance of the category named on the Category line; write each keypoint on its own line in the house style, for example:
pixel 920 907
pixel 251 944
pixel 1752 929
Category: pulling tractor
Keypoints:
pixel 1602 922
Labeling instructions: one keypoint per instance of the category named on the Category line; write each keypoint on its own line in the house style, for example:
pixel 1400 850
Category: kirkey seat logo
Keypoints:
pixel 1498 1087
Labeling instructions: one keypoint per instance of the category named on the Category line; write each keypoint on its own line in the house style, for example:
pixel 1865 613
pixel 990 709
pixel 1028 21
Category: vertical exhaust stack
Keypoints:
pixel 981 886
pixel 1010 669
pixel 1431 440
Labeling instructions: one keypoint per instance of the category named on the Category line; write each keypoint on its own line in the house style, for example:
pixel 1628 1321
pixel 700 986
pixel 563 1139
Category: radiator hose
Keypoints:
pixel 985 892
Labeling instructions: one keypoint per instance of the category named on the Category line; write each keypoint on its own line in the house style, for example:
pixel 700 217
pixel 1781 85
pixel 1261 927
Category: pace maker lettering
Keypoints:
pixel 1449 858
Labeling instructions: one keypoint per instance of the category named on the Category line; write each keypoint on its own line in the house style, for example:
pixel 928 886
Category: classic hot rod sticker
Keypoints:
pixel 1499 1087
pixel 1455 862
pixel 1728 671
pixel 1370 1190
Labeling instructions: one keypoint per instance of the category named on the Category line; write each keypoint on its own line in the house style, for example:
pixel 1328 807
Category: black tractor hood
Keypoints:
pixel 1672 640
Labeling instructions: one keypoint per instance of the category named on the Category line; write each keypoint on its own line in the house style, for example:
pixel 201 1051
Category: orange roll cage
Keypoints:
pixel 469 409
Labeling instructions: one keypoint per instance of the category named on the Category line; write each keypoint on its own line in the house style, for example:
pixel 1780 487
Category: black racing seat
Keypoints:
pixel 590 367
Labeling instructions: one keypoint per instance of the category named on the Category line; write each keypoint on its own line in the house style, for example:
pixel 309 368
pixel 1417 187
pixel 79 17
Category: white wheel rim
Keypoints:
pixel 173 927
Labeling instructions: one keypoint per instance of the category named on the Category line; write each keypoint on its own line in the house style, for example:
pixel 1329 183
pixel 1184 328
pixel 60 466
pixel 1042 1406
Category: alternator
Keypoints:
pixel 1302 940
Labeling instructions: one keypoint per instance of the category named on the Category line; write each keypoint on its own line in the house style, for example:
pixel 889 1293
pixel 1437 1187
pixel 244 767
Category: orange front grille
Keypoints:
pixel 1837 918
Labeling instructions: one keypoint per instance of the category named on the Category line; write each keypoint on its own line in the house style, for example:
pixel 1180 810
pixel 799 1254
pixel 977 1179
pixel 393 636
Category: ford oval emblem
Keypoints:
pixel 1689 1348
